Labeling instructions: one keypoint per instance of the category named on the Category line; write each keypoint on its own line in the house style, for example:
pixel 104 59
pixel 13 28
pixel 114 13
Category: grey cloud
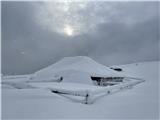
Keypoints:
pixel 27 46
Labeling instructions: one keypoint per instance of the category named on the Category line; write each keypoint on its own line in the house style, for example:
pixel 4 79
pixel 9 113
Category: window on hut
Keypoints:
pixel 106 81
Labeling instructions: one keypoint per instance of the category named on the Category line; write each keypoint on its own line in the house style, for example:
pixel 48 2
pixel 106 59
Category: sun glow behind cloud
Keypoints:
pixel 75 18
pixel 68 30
pixel 66 18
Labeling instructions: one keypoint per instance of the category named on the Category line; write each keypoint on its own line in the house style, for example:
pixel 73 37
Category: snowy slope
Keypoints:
pixel 138 103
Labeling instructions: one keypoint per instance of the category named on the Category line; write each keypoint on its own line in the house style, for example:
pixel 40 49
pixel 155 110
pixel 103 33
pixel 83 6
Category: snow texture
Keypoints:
pixel 139 103
pixel 76 69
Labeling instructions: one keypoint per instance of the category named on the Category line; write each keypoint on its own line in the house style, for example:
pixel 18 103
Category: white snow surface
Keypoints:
pixel 73 68
pixel 141 102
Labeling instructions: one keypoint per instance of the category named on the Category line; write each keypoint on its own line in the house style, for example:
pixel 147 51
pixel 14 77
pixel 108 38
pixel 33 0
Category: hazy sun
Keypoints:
pixel 68 30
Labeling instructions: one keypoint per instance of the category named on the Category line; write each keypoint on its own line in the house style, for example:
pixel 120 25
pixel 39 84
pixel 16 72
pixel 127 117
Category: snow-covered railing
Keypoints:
pixel 120 86
pixel 90 95
pixel 15 76
pixel 115 88
pixel 24 83
pixel 69 92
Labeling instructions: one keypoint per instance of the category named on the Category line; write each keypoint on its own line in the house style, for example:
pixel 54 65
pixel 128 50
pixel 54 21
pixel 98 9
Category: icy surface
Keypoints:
pixel 141 102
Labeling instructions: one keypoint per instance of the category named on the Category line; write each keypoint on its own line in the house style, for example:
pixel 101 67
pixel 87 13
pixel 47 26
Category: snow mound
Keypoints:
pixel 78 68
pixel 75 76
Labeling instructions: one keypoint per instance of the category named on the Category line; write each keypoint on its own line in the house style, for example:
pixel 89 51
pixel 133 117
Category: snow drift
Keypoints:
pixel 76 69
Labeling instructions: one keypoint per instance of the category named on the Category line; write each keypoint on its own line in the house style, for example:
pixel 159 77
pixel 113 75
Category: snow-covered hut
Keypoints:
pixel 80 69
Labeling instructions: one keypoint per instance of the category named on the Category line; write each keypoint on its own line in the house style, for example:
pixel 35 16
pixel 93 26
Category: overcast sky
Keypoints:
pixel 37 34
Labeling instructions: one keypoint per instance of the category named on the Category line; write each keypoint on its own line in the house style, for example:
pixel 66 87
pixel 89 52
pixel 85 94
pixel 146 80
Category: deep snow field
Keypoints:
pixel 140 102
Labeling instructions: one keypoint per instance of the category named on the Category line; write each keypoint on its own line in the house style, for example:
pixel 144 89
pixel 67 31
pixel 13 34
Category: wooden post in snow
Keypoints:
pixel 88 98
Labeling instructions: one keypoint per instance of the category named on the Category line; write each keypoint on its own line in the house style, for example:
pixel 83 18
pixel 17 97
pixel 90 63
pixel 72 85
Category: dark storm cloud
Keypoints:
pixel 129 35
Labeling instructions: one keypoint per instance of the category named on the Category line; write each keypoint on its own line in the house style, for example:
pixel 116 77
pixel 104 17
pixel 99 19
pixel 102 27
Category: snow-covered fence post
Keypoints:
pixel 88 98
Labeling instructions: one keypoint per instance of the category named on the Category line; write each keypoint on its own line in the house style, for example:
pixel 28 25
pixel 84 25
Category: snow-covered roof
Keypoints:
pixel 82 64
